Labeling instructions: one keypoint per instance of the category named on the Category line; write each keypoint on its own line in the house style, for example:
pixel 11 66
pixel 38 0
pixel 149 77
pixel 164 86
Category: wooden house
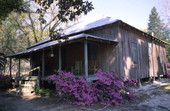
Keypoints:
pixel 106 43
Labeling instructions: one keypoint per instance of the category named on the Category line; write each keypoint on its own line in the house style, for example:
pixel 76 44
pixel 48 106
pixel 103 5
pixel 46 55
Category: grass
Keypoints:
pixel 43 92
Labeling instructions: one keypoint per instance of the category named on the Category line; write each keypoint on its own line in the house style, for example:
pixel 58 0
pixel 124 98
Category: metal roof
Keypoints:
pixel 56 42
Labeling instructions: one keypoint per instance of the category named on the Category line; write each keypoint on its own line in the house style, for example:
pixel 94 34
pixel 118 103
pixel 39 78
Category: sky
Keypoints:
pixel 133 12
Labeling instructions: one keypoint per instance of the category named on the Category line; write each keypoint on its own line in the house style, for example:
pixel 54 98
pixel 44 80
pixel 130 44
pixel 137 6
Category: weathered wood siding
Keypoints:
pixel 110 59
pixel 158 60
pixel 73 58
pixel 119 58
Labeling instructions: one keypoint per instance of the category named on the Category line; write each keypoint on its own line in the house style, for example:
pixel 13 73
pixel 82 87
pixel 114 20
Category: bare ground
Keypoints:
pixel 150 97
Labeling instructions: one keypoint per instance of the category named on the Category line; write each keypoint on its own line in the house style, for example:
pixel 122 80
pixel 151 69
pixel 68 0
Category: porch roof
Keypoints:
pixel 81 36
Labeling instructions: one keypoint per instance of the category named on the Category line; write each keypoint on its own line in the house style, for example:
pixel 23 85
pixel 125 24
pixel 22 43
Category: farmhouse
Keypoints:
pixel 105 43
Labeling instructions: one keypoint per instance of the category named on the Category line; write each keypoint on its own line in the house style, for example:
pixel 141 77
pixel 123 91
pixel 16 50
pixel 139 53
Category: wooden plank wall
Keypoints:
pixel 72 52
pixel 105 61
pixel 112 58
pixel 158 63
pixel 119 58
pixel 109 60
pixel 141 68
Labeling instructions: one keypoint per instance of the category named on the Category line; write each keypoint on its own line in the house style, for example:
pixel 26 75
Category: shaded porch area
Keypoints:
pixel 80 54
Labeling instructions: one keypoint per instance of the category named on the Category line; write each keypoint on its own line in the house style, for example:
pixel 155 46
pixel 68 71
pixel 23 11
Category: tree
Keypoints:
pixel 7 6
pixel 21 30
pixel 165 11
pixel 67 9
pixel 17 33
pixel 156 26
pixel 159 28
pixel 2 62
pixel 60 11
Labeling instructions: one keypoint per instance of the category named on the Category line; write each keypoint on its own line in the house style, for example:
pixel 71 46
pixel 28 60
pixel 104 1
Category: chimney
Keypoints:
pixel 152 33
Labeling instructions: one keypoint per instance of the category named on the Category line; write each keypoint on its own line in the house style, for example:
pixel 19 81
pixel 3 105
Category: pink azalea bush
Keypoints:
pixel 108 89
pixel 75 90
pixel 168 72
pixel 131 82
pixel 111 89
pixel 168 75
pixel 168 65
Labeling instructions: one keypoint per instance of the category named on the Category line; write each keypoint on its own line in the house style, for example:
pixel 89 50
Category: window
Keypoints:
pixel 134 52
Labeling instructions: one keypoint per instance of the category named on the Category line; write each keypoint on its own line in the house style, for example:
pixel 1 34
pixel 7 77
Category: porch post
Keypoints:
pixel 10 67
pixel 85 58
pixel 19 67
pixel 19 71
pixel 31 64
pixel 59 57
pixel 43 67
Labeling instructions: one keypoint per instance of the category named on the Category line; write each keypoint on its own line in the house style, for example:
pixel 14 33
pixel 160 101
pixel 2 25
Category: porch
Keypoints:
pixel 80 54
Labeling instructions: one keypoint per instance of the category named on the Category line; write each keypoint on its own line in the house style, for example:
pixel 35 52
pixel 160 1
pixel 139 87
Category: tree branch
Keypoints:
pixel 33 27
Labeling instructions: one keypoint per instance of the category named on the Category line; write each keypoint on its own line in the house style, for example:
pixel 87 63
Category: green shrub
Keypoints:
pixel 5 81
pixel 43 92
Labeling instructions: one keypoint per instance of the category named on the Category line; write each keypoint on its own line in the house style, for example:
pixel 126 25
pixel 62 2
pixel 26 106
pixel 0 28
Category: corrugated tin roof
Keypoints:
pixel 41 42
pixel 88 24
pixel 55 42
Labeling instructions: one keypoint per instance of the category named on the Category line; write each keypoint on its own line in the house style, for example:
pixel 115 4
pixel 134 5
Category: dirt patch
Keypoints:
pixel 150 97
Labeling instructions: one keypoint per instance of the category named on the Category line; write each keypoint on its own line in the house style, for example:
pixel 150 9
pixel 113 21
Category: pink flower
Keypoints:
pixel 76 90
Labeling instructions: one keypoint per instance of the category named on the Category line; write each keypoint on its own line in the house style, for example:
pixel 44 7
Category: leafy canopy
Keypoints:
pixel 7 6
pixel 68 10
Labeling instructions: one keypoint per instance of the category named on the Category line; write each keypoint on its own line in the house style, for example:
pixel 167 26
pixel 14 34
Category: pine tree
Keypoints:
pixel 156 26
pixel 154 23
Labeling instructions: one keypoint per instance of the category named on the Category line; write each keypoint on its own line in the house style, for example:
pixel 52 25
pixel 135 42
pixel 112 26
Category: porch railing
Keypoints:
pixel 29 72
